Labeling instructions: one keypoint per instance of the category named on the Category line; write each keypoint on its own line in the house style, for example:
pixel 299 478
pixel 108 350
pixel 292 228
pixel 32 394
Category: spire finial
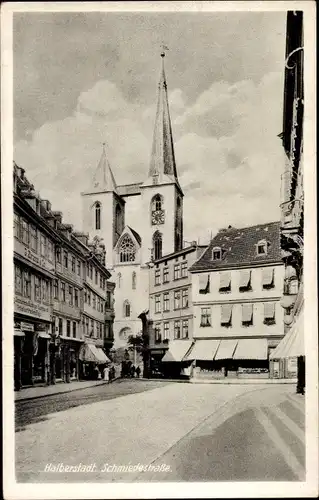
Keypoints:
pixel 164 49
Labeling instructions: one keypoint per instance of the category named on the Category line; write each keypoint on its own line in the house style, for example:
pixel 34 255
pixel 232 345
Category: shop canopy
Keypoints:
pixel 92 354
pixel 18 333
pixel 226 349
pixel 292 345
pixel 251 349
pixel 203 350
pixel 177 350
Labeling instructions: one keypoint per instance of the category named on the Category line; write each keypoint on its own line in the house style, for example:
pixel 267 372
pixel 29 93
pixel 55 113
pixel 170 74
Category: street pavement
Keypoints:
pixel 165 432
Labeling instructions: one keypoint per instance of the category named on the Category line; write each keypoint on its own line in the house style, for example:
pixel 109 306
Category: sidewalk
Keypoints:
pixel 227 381
pixel 59 388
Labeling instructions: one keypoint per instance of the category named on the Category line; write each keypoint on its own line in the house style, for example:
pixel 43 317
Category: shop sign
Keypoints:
pixel 33 257
pixel 25 306
pixel 27 327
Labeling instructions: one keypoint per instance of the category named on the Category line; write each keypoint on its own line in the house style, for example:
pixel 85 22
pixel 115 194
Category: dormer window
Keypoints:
pixel 262 247
pixel 217 253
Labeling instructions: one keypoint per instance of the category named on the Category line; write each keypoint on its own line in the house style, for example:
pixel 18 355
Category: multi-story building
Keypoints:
pixel 55 270
pixel 292 201
pixel 236 291
pixel 171 309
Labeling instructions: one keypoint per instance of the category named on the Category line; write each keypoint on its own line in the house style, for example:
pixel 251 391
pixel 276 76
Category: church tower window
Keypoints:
pixel 126 309
pixel 127 249
pixel 97 215
pixel 118 219
pixel 157 244
pixel 119 277
pixel 157 212
pixel 134 280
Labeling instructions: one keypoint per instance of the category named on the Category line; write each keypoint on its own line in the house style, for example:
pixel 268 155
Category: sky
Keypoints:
pixel 81 79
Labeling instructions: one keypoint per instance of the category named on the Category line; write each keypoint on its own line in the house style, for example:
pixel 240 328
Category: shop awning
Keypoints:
pixel 226 349
pixel 251 349
pixel 203 350
pixel 177 350
pixel 92 354
pixel 247 312
pixel 267 276
pixel 44 335
pixel 18 333
pixel 292 344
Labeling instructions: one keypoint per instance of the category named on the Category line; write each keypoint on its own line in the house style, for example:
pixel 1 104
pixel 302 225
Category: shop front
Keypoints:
pixel 175 363
pixel 65 352
pixel 92 361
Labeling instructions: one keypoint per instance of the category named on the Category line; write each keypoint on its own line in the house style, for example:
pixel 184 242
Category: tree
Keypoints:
pixel 140 344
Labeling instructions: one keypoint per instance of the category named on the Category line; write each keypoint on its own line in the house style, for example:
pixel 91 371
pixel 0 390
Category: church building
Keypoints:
pixel 129 251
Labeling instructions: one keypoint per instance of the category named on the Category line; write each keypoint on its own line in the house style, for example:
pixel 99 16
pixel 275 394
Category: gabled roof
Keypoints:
pixel 136 235
pixel 132 233
pixel 239 247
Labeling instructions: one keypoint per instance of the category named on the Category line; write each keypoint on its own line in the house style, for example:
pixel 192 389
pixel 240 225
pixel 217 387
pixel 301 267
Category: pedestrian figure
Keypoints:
pixel 96 372
pixel 132 371
pixel 106 374
pixel 138 372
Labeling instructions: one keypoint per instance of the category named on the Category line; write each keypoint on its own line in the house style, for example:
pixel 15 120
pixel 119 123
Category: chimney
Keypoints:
pixel 67 230
pixel 82 237
pixel 58 216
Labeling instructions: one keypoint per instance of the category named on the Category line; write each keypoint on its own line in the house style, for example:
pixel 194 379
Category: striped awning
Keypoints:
pixel 292 345
pixel 92 354
pixel 251 349
pixel 226 349
pixel 177 350
pixel 203 350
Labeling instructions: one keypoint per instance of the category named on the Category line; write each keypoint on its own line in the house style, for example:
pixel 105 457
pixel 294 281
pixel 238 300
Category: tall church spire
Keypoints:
pixel 103 179
pixel 162 157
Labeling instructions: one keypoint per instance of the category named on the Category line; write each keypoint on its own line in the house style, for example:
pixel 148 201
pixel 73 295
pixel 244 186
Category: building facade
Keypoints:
pixel 236 290
pixel 170 305
pixel 52 272
pixel 106 210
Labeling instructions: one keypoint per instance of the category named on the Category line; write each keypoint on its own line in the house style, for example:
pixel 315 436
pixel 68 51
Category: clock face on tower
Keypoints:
pixel 158 217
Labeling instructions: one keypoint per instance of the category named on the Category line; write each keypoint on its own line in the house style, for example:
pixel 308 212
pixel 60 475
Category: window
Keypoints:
pixel 217 253
pixel 60 326
pixel 118 220
pixel 68 328
pixel 226 315
pixel 269 313
pixel 157 303
pixel 245 280
pixel 74 329
pixel 177 299
pixel 16 226
pixel 58 254
pixel 185 298
pixel 25 232
pixel 158 336
pixel 102 306
pixel 47 290
pixel 262 247
pixel 76 297
pixel 134 280
pixel 98 329
pixel 37 289
pixel 177 329
pixel 89 297
pixel 79 268
pixel 157 244
pixel 85 296
pixel 65 259
pixel 62 291
pixel 17 279
pixel 96 277
pixel 127 309
pixel 101 281
pixel 157 276
pixel 92 328
pixel 204 283
pixel 225 282
pixel 165 275
pixel 268 278
pixel 184 269
pixel 71 295
pixel 108 299
pixel 98 304
pixel 166 301
pixel 119 277
pixel 166 330
pixel 104 284
pixel 94 301
pixel 205 319
pixel 185 329
pixel 247 314
pixel 97 215
pixel 177 269
pixel 56 289
pixel 91 272
pixel 50 250
pixel 33 238
pixel 157 202
pixel 73 264
pixel 27 284
pixel 42 245
pixel 127 249
pixel 87 326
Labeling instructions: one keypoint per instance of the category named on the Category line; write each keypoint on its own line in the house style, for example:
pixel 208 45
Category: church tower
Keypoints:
pixel 161 194
pixel 103 208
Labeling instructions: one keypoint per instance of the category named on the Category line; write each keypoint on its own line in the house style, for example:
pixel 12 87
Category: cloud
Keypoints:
pixel 228 155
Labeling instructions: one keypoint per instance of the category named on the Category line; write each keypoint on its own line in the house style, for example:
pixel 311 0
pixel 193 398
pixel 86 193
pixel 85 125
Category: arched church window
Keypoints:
pixel 126 309
pixel 127 249
pixel 157 244
pixel 157 202
pixel 119 278
pixel 118 216
pixel 134 280
pixel 157 211
pixel 97 215
pixel 124 333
